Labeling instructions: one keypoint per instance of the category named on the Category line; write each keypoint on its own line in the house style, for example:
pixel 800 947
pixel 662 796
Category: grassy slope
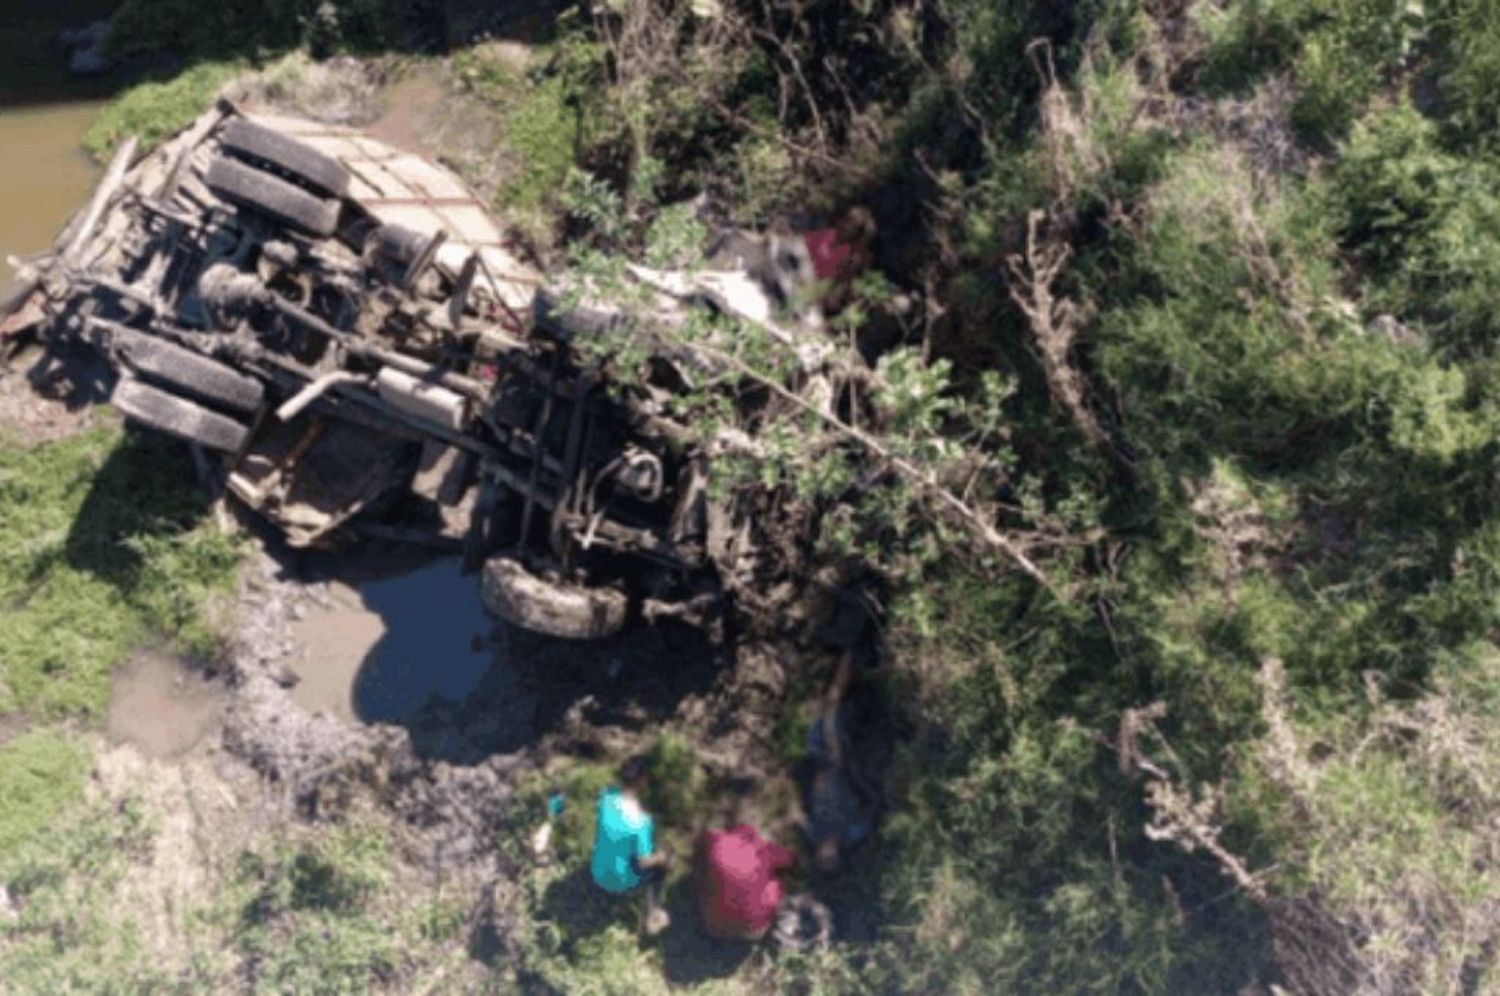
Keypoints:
pixel 1300 359
pixel 102 546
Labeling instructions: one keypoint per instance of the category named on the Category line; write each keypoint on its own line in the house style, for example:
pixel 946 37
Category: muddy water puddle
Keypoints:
pixel 162 705
pixel 379 651
pixel 44 175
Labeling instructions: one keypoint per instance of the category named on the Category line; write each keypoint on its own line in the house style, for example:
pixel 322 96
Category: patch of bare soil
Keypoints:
pixel 410 106
pixel 204 807
pixel 47 395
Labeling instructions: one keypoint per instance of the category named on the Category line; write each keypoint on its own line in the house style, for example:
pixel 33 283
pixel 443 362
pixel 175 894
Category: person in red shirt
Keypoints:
pixel 736 884
pixel 839 255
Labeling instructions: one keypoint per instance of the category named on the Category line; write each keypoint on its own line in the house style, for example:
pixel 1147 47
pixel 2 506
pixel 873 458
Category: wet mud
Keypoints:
pixel 162 705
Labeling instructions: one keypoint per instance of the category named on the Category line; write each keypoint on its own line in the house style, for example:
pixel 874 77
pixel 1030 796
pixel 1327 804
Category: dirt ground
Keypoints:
pixel 228 754
pixel 45 396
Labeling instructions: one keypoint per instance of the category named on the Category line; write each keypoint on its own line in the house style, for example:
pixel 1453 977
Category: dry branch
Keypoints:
pixel 1054 322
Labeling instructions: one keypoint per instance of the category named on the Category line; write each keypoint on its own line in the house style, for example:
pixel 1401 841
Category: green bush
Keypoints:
pixel 677 786
pixel 156 111
pixel 1425 221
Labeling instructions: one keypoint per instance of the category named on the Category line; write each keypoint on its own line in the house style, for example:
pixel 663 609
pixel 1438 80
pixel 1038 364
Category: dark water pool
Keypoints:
pixel 434 642
pixel 383 648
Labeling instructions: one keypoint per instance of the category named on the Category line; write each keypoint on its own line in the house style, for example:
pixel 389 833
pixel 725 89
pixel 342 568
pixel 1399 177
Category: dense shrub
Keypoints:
pixel 238 30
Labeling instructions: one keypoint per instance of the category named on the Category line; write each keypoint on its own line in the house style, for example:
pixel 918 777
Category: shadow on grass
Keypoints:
pixel 76 376
pixel 145 491
pixel 689 955
pixel 580 909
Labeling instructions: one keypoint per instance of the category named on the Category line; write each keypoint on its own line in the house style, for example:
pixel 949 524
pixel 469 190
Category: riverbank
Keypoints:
pixel 45 110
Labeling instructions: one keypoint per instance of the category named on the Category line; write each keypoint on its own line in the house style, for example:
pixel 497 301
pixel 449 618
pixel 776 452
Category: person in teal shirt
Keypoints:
pixel 625 857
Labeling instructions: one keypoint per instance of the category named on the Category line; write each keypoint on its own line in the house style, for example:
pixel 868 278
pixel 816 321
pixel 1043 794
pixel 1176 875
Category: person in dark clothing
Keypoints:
pixel 840 806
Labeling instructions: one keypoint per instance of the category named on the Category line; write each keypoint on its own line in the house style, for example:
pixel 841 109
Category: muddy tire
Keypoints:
pixel 179 417
pixel 251 141
pixel 191 373
pixel 572 612
pixel 271 195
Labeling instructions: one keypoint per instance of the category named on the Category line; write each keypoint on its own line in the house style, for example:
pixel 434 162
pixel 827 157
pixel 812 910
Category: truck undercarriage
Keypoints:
pixel 339 328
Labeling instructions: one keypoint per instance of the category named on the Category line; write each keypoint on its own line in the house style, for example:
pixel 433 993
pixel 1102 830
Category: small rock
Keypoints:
pixel 1393 329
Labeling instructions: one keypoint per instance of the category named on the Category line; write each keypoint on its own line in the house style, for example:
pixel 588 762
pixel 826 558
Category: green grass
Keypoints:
pixel 41 775
pixel 102 545
pixel 545 127
pixel 154 111
pixel 72 934
pixel 306 913
pixel 299 910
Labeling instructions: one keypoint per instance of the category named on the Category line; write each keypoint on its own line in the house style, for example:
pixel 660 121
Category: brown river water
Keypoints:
pixel 44 175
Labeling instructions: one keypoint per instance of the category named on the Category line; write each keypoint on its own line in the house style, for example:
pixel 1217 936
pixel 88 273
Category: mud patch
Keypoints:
pixel 332 642
pixel 410 105
pixel 162 706
pixel 50 394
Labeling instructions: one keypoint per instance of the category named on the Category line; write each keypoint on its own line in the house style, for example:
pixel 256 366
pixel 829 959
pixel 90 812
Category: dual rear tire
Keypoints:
pixel 276 175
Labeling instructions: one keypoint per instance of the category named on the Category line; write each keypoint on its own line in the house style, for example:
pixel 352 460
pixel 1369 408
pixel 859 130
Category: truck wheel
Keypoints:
pixel 248 140
pixel 261 191
pixel 171 365
pixel 176 416
pixel 572 612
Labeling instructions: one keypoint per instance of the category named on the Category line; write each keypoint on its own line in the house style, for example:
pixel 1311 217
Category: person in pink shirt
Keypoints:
pixel 735 878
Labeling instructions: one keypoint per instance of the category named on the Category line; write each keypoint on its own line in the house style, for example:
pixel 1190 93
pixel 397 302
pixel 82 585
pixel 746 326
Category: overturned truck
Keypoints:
pixel 339 331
